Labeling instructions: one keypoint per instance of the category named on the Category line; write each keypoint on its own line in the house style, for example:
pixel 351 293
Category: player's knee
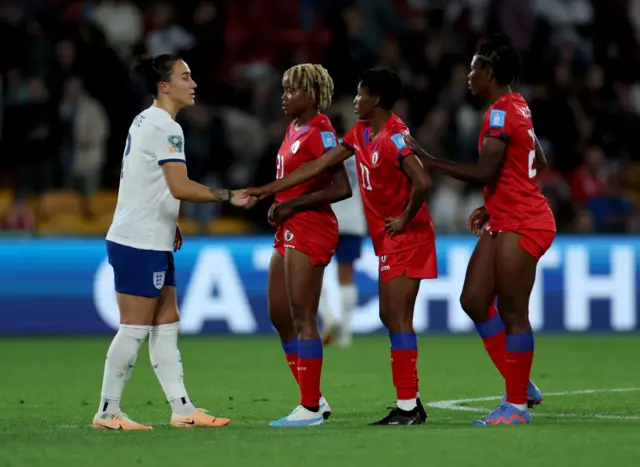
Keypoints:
pixel 133 320
pixel 166 317
pixel 396 322
pixel 136 311
pixel 282 320
pixel 307 325
pixel 465 303
pixel 515 321
pixel 384 317
pixel 471 305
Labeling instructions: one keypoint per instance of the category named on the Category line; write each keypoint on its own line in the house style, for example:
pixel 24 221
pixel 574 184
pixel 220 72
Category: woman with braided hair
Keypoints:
pixel 306 237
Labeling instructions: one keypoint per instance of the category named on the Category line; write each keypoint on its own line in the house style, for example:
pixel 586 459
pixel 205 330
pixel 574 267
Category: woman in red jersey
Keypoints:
pixel 306 238
pixel 393 185
pixel 518 225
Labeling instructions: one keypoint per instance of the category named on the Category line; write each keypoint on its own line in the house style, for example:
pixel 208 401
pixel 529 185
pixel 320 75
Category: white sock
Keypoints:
pixel 166 362
pixel 324 310
pixel 518 406
pixel 121 358
pixel 407 405
pixel 348 301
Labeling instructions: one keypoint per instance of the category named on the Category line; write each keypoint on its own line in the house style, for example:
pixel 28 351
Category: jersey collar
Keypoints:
pixel 367 131
pixel 300 131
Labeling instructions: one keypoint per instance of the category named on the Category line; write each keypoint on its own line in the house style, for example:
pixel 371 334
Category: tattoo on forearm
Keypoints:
pixel 220 194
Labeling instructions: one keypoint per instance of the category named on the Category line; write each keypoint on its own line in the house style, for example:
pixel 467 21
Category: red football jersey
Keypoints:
pixel 300 146
pixel 514 201
pixel 386 189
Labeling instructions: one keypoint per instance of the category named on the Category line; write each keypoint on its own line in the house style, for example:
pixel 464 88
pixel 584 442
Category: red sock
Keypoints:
pixel 405 373
pixel 309 371
pixel 290 348
pixel 495 339
pixel 292 360
pixel 518 366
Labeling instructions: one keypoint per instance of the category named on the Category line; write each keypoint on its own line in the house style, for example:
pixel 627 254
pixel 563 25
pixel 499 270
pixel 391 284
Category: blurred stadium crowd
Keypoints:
pixel 67 101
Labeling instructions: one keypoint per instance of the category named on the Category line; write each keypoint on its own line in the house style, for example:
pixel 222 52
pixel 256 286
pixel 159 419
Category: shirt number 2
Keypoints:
pixel 533 171
pixel 279 166
pixel 127 149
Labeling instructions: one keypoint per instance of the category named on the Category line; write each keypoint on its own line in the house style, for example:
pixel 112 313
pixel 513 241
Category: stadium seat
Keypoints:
pixel 634 196
pixel 189 227
pixel 63 224
pixel 103 203
pixel 6 200
pixel 229 226
pixel 99 226
pixel 55 203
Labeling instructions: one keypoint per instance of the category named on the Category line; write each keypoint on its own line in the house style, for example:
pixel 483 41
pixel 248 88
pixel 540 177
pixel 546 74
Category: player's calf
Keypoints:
pixel 404 356
pixel 493 335
pixel 119 364
pixel 310 356
pixel 409 410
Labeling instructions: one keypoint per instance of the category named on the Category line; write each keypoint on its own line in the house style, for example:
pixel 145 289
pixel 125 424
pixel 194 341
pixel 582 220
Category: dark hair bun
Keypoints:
pixel 150 71
pixel 145 72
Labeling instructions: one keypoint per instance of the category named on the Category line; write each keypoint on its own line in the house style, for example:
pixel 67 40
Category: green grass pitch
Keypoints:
pixel 49 392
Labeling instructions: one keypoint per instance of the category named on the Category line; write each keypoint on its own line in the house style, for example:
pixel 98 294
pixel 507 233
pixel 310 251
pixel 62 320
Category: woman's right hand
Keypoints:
pixel 477 220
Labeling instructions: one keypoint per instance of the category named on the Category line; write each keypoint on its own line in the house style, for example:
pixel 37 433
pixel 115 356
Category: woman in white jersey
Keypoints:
pixel 141 241
pixel 352 227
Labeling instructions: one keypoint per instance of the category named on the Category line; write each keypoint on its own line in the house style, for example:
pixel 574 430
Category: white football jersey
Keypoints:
pixel 350 212
pixel 147 214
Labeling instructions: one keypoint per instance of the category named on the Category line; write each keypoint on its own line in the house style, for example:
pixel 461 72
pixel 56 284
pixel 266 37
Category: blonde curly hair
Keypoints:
pixel 315 80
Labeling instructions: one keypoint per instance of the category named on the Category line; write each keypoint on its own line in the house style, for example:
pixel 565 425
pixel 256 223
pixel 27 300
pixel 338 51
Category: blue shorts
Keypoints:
pixel 348 249
pixel 141 272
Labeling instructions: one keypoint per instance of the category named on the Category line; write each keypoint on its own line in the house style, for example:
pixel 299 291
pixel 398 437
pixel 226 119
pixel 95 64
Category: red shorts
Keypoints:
pixel 534 242
pixel 319 248
pixel 417 263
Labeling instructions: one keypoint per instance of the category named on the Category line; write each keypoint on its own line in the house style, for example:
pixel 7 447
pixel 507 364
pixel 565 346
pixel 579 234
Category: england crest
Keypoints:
pixel 374 158
pixel 294 147
pixel 288 235
pixel 158 279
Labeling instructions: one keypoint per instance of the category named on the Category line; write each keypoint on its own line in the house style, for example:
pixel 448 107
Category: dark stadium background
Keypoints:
pixel 581 58
pixel 65 108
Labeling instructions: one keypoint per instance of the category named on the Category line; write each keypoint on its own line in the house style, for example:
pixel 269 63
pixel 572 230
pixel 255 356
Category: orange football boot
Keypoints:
pixel 199 418
pixel 117 421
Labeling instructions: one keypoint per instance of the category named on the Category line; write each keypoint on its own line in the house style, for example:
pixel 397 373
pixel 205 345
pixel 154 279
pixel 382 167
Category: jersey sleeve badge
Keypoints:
pixel 398 140
pixel 328 140
pixel 497 118
pixel 176 144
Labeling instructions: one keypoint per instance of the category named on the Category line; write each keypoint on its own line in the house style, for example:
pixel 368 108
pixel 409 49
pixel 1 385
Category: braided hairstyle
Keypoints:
pixel 313 79
pixel 498 51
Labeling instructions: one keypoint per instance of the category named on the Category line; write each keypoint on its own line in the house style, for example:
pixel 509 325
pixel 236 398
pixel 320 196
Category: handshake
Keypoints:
pixel 248 197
